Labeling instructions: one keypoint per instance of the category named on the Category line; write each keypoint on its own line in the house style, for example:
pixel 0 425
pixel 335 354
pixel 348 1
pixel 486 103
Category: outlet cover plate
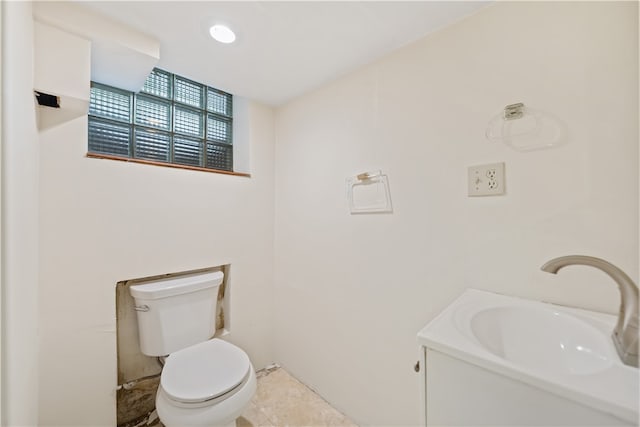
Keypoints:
pixel 486 180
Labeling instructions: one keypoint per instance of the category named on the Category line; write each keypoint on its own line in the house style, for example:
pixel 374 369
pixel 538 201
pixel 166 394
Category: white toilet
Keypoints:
pixel 204 382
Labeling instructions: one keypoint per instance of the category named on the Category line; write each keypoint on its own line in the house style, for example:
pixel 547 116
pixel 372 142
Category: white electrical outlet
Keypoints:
pixel 486 180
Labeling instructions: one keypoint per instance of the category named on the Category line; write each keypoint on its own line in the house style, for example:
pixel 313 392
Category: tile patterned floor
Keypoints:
pixel 283 401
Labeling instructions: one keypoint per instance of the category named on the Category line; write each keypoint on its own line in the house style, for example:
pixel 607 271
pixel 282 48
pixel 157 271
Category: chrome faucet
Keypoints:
pixel 625 334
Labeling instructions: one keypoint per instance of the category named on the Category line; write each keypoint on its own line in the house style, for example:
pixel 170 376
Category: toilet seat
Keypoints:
pixel 204 372
pixel 222 411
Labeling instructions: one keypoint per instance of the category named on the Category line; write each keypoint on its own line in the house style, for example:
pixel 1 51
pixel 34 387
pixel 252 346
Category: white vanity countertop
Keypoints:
pixel 602 382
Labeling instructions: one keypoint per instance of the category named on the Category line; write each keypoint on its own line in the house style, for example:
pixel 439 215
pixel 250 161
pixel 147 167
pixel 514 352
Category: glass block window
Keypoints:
pixel 172 120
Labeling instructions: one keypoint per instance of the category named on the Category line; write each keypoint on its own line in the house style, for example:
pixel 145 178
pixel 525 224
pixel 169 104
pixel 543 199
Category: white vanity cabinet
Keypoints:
pixel 463 394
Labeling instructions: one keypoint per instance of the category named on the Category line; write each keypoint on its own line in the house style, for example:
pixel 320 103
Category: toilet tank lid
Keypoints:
pixel 171 286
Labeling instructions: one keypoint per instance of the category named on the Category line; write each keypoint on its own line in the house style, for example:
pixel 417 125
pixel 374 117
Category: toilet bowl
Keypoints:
pixel 208 384
pixel 204 381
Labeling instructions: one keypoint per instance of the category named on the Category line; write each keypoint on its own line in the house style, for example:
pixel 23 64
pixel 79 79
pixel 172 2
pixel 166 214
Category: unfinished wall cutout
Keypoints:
pixel 138 374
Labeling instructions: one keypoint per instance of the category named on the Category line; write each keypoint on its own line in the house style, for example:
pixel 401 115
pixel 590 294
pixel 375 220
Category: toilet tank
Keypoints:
pixel 177 312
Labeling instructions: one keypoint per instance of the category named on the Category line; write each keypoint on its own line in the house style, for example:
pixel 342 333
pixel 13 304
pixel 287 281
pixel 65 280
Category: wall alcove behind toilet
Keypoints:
pixel 138 374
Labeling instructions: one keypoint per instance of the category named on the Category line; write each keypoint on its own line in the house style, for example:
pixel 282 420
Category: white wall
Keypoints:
pixel 1 244
pixel 103 221
pixel 352 291
pixel 112 44
pixel 19 220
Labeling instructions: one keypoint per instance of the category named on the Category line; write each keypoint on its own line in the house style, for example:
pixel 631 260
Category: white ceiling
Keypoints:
pixel 283 49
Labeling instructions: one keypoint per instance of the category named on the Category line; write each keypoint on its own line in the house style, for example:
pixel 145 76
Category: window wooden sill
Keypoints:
pixel 169 165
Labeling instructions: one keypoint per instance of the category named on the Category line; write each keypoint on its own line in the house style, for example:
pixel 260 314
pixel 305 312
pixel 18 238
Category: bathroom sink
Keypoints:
pixel 542 339
pixel 565 351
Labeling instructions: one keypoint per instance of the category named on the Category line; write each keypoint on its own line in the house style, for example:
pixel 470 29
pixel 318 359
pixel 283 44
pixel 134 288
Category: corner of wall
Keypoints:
pixel 19 219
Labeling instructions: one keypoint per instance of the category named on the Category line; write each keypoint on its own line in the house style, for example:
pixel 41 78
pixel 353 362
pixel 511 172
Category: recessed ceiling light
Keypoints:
pixel 222 33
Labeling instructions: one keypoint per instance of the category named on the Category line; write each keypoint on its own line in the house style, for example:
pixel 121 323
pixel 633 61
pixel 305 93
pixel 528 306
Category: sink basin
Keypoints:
pixel 542 339
pixel 565 351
